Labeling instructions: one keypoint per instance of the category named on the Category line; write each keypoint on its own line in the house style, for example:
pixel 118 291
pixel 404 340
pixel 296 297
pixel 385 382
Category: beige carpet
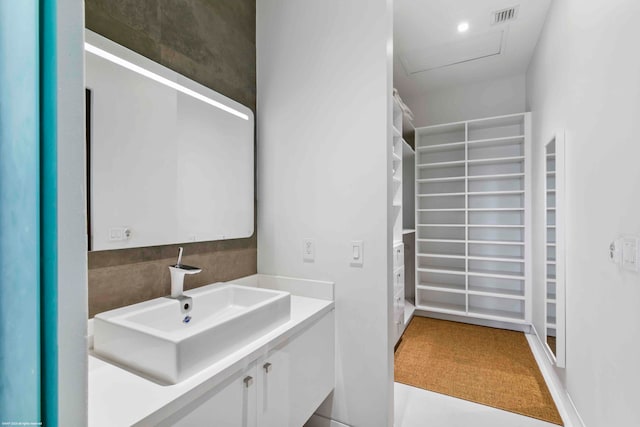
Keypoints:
pixel 490 366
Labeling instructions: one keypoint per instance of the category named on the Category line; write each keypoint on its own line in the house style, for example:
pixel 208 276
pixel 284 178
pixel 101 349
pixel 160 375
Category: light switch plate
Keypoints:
pixel 117 234
pixel 357 253
pixel 308 250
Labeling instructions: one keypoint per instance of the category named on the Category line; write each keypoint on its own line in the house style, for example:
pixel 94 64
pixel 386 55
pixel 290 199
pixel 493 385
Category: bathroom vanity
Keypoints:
pixel 277 379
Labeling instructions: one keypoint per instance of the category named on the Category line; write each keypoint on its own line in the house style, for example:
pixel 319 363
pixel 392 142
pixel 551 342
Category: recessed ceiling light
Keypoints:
pixel 463 27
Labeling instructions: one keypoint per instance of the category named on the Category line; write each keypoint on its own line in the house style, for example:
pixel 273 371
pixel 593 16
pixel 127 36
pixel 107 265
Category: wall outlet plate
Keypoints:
pixel 308 250
pixel 615 250
pixel 630 253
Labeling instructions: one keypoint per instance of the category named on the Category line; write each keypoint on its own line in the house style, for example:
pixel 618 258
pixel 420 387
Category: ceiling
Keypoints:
pixel 430 53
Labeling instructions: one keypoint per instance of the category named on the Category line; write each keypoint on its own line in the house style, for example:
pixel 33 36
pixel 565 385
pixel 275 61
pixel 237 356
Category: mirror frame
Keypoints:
pixel 559 358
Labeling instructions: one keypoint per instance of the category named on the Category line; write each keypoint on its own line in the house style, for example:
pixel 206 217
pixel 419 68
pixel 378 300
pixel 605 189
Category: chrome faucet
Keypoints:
pixel 178 271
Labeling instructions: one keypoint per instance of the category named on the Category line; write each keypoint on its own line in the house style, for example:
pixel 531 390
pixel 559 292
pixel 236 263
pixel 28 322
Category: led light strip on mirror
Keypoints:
pixel 153 76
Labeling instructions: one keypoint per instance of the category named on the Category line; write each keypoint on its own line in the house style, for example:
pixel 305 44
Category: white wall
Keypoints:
pixel 585 78
pixel 324 146
pixel 72 214
pixel 453 104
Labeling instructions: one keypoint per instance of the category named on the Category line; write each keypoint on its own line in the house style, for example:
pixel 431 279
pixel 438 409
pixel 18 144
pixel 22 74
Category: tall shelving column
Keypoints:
pixel 472 197
pixel 396 217
pixel 441 218
pixel 408 216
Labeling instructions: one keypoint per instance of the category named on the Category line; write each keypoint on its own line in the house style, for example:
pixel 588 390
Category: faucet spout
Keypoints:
pixel 178 271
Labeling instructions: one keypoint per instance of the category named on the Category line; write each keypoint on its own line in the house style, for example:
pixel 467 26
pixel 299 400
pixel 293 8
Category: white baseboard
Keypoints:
pixel 563 401
pixel 320 421
pixel 518 327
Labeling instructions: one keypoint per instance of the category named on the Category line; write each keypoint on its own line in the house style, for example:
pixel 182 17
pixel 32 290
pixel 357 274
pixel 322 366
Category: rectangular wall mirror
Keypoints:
pixel 555 249
pixel 169 160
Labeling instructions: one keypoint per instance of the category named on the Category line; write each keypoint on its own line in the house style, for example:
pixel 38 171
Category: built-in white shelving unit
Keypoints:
pixel 472 218
pixel 396 218
pixel 408 218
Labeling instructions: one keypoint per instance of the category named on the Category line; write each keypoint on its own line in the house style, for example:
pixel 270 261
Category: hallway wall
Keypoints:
pixel 324 156
pixel 584 78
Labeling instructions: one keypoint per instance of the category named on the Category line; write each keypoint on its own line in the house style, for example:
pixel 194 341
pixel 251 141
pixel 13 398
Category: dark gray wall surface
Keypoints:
pixel 213 43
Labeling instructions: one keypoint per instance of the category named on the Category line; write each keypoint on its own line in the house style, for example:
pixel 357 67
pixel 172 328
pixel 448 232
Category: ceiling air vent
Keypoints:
pixel 505 15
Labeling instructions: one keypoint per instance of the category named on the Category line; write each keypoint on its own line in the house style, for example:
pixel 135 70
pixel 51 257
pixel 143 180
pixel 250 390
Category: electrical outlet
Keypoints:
pixel 308 250
pixel 630 253
pixel 614 251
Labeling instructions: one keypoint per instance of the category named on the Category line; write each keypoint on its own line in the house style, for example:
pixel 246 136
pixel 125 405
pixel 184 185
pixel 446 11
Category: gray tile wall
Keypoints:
pixel 213 43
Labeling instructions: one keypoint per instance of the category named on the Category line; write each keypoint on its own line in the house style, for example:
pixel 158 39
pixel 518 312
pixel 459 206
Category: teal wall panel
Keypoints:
pixel 19 212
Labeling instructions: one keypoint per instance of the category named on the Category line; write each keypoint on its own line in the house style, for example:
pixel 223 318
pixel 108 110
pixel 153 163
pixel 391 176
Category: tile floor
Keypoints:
pixel 415 407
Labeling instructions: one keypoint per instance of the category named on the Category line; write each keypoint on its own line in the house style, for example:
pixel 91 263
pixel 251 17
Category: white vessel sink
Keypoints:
pixel 152 338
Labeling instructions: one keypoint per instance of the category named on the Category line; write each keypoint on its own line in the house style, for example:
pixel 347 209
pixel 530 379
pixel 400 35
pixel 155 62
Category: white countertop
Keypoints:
pixel 119 397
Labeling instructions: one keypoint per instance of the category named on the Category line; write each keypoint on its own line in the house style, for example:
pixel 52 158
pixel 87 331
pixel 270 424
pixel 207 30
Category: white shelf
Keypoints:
pixel 407 147
pixel 496 274
pixel 454 289
pixel 496 293
pixel 495 209
pixel 494 242
pixel 494 226
pixel 496 259
pixel 502 295
pixel 496 193
pixel 443 308
pixel 496 160
pixel 441 164
pixel 441 147
pixel 436 180
pixel 490 193
pixel 408 231
pixel 495 177
pixel 430 255
pixel 493 314
pixel 442 194
pixel 441 271
pixel 442 210
pixel 505 140
pixel 440 225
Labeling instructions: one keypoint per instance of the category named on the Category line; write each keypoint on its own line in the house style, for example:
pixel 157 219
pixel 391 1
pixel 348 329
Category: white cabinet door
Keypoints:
pixel 300 376
pixel 311 369
pixel 231 404
pixel 274 389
